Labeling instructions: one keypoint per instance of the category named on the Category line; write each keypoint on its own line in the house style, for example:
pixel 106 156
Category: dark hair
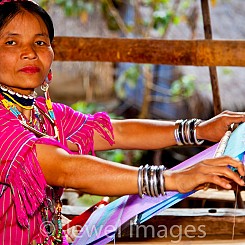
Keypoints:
pixel 9 10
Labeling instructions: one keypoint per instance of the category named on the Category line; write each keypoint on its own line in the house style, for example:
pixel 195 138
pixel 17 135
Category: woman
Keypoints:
pixel 45 146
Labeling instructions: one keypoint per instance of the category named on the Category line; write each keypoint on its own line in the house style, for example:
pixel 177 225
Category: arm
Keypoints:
pixel 87 173
pixel 96 176
pixel 147 134
pixel 139 134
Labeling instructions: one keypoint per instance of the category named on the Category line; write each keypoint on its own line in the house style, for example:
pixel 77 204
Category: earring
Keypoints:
pixel 44 87
pixel 50 76
pixel 47 81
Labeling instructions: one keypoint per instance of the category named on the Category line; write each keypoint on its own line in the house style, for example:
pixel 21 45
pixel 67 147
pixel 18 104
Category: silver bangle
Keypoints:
pixel 176 132
pixel 147 190
pixel 198 142
pixel 176 136
pixel 140 181
pixel 183 132
pixel 161 179
pixel 152 181
pixel 155 180
pixel 188 134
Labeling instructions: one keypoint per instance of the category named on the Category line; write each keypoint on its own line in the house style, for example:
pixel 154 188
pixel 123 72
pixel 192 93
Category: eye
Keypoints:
pixel 41 43
pixel 11 42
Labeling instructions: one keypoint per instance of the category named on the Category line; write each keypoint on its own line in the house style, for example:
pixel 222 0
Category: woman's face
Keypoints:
pixel 25 53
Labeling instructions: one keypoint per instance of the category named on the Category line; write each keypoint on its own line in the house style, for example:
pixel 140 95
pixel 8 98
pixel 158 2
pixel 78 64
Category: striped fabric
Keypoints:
pixel 22 183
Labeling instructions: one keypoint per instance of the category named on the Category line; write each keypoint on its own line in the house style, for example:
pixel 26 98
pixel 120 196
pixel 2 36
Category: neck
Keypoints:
pixel 24 101
pixel 21 92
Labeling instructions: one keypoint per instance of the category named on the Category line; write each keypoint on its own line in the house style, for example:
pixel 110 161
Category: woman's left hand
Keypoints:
pixel 215 128
pixel 210 171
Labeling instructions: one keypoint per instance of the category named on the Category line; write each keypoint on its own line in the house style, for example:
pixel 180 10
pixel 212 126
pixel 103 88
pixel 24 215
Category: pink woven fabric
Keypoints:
pixel 22 183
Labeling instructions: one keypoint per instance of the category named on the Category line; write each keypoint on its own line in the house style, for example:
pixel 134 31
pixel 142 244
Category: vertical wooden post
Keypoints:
pixel 214 79
pixel 212 69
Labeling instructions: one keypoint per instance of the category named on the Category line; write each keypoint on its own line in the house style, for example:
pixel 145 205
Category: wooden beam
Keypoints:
pixel 213 222
pixel 152 51
pixel 223 240
pixel 217 222
pixel 217 195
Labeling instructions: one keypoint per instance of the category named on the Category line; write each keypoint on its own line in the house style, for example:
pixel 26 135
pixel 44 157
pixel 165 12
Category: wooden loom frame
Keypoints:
pixel 171 52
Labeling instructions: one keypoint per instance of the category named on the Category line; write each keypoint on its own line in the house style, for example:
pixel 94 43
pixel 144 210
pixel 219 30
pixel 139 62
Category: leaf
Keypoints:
pixel 183 87
pixel 128 77
pixel 176 20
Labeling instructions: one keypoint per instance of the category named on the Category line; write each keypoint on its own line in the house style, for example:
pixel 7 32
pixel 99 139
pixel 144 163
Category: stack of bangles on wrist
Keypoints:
pixel 151 180
pixel 185 132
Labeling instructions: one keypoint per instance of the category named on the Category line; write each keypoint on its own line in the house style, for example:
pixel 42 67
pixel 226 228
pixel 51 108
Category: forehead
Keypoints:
pixel 25 21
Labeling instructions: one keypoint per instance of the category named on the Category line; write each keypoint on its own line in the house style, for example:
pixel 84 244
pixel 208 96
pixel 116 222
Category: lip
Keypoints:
pixel 30 69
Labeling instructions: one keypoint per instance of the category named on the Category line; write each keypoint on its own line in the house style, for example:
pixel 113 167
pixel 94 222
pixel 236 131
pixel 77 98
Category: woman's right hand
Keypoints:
pixel 210 171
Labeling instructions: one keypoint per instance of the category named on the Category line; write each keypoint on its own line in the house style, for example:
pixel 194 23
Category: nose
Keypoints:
pixel 28 52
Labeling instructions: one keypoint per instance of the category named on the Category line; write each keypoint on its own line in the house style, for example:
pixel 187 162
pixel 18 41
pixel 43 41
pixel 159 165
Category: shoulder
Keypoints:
pixel 58 107
pixel 63 113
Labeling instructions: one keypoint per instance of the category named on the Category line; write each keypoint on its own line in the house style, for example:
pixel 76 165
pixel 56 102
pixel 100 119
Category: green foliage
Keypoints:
pixel 162 12
pixel 129 77
pixel 161 18
pixel 114 155
pixel 84 107
pixel 120 156
pixel 72 7
pixel 89 200
pixel 182 88
pixel 110 19
pixel 226 71
pixel 90 108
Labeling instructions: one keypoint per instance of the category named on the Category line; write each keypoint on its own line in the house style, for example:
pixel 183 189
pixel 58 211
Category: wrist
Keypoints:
pixel 169 180
pixel 151 180
pixel 185 132
pixel 199 131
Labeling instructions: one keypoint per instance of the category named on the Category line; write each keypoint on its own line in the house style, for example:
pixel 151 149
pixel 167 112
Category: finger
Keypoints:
pixel 224 171
pixel 217 180
pixel 207 186
pixel 240 169
pixel 236 164
pixel 230 175
pixel 212 180
pixel 219 166
pixel 227 112
pixel 225 161
pixel 230 117
pixel 235 118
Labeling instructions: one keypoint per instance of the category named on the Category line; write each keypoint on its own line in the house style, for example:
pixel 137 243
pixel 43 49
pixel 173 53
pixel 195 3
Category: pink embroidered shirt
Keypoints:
pixel 22 183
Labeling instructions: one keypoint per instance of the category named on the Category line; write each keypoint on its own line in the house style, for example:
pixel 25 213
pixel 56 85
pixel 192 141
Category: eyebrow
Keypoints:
pixel 17 34
pixel 43 35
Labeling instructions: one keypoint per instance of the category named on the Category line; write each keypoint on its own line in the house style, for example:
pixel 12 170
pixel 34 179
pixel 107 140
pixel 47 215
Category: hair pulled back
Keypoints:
pixel 8 10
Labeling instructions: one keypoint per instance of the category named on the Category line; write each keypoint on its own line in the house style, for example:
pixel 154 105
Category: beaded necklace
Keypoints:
pixel 54 228
pixel 9 98
pixel 37 126
pixel 24 101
